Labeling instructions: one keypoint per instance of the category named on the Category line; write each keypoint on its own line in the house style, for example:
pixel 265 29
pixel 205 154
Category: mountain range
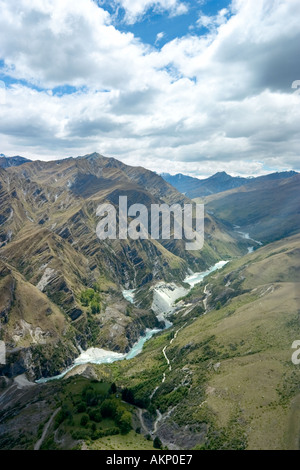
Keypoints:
pixel 268 209
pixel 50 254
pixel 220 182
pixel 221 377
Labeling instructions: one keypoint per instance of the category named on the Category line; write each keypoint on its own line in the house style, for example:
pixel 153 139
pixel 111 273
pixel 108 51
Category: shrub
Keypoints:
pixel 157 444
pixel 124 422
pixel 92 298
pixel 81 408
pixel 128 396
pixel 63 414
pixel 95 307
pixel 113 389
pixel 95 415
pixel 84 420
pixel 108 409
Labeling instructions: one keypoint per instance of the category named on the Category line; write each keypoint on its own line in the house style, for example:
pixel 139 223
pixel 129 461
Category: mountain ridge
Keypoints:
pixel 268 209
pixel 217 183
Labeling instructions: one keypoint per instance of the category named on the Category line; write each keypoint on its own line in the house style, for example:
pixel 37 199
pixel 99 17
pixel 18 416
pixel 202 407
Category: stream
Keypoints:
pixel 246 236
pixel 164 296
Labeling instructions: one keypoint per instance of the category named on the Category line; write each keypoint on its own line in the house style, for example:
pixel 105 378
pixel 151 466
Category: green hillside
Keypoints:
pixel 232 383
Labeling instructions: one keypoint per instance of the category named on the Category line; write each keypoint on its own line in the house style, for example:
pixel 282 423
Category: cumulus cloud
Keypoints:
pixel 213 22
pixel 200 104
pixel 135 9
pixel 50 42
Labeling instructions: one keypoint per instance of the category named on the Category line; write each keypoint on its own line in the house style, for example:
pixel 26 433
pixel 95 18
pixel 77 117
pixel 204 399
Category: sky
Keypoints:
pixel 175 86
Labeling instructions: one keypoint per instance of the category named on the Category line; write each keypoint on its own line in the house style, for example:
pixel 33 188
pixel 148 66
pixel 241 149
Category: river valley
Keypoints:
pixel 164 297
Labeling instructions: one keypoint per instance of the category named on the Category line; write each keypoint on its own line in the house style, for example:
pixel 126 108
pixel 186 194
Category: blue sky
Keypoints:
pixel 153 23
pixel 176 86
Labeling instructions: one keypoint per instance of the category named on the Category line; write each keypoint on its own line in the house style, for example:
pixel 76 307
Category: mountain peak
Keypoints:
pixel 221 176
pixel 99 158
pixel 221 173
pixel 93 156
pixel 6 162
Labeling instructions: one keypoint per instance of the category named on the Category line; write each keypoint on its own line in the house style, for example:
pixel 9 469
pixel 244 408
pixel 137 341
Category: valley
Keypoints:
pixel 163 308
pixel 125 344
pixel 48 246
pixel 149 228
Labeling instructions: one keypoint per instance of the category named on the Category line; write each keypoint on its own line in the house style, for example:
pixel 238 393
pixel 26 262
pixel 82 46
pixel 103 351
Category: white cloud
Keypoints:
pixel 201 104
pixel 159 37
pixel 135 9
pixel 50 42
pixel 213 22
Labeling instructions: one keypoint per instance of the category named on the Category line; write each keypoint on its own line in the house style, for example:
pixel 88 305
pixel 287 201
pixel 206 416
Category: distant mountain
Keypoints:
pixel 7 162
pixel 268 209
pixel 218 183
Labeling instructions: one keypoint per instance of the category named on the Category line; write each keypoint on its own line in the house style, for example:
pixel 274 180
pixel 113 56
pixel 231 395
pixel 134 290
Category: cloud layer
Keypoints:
pixel 201 103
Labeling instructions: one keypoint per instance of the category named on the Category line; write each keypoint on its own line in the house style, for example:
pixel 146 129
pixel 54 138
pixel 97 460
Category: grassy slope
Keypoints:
pixel 131 441
pixel 39 337
pixel 236 361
